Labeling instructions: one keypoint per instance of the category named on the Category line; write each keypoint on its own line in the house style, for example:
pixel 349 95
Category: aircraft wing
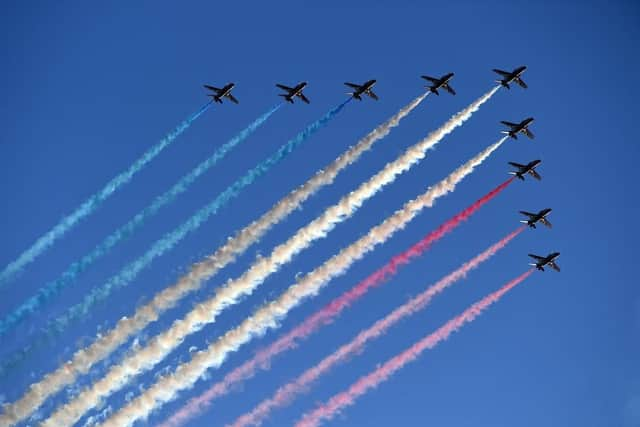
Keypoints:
pixel 529 214
pixel 553 265
pixel 373 95
pixel 511 125
pixel 431 79
pixel 535 174
pixel 546 222
pixel 517 165
pixel 501 72
pixel 232 98
pixel 521 83
pixel 215 89
pixel 353 85
pixel 536 257
pixel 449 89
pixel 528 133
pixel 304 98
pixel 283 87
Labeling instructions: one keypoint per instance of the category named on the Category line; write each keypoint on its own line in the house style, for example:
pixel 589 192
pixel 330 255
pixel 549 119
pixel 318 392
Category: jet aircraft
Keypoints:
pixel 543 261
pixel 516 128
pixel 511 76
pixel 442 82
pixel 292 92
pixel 365 88
pixel 220 93
pixel 533 218
pixel 529 168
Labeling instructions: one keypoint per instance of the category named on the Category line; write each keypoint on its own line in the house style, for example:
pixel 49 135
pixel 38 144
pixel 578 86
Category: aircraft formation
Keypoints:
pixel 366 89
pixel 145 357
pixel 443 82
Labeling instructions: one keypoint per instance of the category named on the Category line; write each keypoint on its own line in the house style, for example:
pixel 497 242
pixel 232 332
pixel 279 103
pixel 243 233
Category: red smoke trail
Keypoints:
pixel 325 315
pixel 381 374
pixel 289 391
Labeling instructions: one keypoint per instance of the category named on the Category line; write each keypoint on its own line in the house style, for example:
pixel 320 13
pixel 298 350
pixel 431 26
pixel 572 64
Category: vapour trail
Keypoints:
pixel 85 358
pixel 285 394
pixel 168 386
pixel 348 397
pixel 324 316
pixel 52 289
pixel 94 201
pixel 206 312
pixel 168 241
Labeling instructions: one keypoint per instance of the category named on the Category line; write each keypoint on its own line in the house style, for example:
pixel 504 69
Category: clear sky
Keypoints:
pixel 86 88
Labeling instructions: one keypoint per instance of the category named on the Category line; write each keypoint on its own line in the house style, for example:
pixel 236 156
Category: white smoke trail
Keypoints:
pixel 268 317
pixel 200 272
pixel 231 293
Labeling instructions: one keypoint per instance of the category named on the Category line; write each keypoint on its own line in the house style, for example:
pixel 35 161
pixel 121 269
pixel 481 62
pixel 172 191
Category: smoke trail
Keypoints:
pixel 53 288
pixel 167 387
pixel 126 275
pixel 375 378
pixel 288 392
pixel 94 202
pixel 324 316
pixel 229 294
pixel 169 297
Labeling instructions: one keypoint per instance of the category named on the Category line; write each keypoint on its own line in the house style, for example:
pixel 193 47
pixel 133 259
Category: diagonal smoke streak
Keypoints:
pixel 207 311
pixel 229 294
pixel 167 387
pixel 126 275
pixel 94 201
pixel 346 398
pixel 288 392
pixel 52 289
pixel 324 316
pixel 85 358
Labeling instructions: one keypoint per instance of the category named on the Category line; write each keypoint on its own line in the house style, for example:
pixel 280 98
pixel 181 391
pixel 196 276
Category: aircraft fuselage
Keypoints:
pixel 366 88
pixel 296 91
pixel 224 92
pixel 547 260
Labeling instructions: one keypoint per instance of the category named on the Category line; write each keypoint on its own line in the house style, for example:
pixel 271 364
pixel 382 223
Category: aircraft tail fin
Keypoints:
pixel 538 267
pixel 511 134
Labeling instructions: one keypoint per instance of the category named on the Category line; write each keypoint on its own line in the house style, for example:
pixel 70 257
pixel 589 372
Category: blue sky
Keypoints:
pixel 87 88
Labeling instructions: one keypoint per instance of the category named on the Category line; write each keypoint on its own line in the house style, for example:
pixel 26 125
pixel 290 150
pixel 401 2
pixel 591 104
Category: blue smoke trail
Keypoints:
pixel 52 289
pixel 94 202
pixel 57 326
